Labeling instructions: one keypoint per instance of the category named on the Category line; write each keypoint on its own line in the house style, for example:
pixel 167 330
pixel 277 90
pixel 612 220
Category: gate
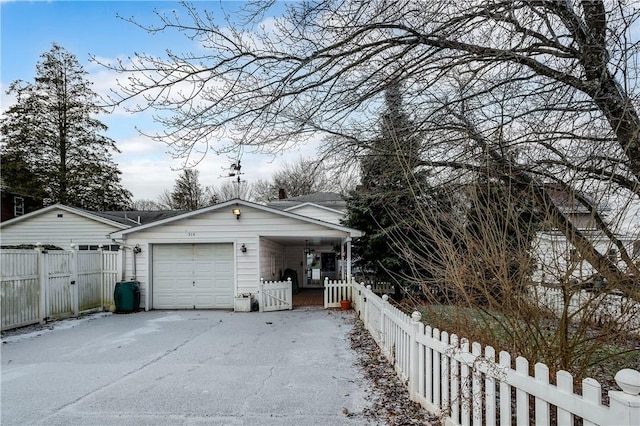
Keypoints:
pixel 275 295
pixel 36 285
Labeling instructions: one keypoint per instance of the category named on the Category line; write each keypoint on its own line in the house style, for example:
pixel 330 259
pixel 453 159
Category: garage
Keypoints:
pixel 193 276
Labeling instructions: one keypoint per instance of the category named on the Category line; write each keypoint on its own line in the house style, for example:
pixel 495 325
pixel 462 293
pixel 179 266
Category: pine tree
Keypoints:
pixel 189 194
pixel 382 205
pixel 51 129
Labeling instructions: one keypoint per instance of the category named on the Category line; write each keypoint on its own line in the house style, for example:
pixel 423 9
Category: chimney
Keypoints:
pixel 282 194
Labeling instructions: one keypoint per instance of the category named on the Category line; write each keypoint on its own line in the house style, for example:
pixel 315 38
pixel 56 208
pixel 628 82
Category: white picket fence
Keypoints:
pixel 465 385
pixel 36 285
pixel 336 291
pixel 275 295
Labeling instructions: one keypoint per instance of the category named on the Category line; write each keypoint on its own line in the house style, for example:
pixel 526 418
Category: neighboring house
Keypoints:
pixel 557 257
pixel 328 206
pixel 329 200
pixel 61 226
pixel 204 258
pixel 16 205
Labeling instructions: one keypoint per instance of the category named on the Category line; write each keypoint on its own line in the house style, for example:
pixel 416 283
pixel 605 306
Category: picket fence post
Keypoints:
pixel 625 404
pixel 414 368
pixel 326 292
pixel 261 296
pixel 385 303
pixel 366 307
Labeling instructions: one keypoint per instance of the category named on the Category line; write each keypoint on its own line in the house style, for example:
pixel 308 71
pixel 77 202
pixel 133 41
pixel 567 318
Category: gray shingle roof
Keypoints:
pixel 327 199
pixel 137 217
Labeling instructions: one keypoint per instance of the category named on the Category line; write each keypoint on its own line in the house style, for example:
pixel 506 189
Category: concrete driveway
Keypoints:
pixel 185 368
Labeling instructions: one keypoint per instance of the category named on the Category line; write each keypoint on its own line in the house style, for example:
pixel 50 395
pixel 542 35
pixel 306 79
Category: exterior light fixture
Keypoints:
pixel 243 248
pixel 236 212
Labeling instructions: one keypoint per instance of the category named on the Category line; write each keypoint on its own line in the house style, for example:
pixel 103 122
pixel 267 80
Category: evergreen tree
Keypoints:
pixel 189 194
pixel 51 132
pixel 391 185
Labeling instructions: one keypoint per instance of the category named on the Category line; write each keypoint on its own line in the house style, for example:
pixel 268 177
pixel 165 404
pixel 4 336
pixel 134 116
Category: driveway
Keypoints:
pixel 185 368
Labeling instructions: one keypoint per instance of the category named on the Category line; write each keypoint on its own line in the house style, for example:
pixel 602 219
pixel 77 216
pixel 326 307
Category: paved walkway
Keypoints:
pixel 185 368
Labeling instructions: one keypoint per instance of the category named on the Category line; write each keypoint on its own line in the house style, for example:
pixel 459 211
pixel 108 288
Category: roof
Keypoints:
pixel 568 200
pixel 118 219
pixel 137 217
pixel 299 206
pixel 332 200
pixel 236 202
pixel 83 213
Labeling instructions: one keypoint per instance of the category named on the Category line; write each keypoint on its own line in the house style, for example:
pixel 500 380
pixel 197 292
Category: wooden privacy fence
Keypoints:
pixel 465 384
pixel 36 285
pixel 275 295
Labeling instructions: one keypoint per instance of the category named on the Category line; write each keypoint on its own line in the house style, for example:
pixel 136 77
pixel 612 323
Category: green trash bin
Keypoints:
pixel 126 296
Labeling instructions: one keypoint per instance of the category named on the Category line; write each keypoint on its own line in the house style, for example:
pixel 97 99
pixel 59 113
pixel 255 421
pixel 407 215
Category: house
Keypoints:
pixel 326 206
pixel 15 205
pixel 60 226
pixel 204 258
pixel 557 257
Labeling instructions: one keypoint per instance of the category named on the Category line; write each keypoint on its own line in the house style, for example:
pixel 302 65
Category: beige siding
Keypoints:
pixel 48 228
pixel 220 226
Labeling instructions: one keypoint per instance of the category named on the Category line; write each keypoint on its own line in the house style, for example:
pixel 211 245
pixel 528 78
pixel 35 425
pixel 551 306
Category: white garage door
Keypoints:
pixel 193 276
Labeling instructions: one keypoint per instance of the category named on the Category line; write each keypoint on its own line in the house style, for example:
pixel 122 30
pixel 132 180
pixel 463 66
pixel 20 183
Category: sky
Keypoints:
pixel 29 28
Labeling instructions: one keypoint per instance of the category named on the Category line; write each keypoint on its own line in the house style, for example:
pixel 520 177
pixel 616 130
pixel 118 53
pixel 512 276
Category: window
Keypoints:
pixel 107 247
pixel 18 206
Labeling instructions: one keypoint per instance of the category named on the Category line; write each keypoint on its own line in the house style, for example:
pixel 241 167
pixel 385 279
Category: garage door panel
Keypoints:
pixel 203 267
pixel 193 275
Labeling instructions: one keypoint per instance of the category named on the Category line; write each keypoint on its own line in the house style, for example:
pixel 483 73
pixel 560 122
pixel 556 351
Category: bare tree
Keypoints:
pixel 323 61
pixel 298 178
pixel 231 189
pixel 533 91
pixel 144 204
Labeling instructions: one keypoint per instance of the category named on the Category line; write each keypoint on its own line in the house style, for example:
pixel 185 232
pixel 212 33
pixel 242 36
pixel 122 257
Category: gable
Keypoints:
pixel 318 212
pixel 254 218
pixel 58 226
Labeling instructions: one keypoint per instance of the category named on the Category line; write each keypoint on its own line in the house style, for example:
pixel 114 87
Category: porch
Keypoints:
pixel 308 297
pixel 308 261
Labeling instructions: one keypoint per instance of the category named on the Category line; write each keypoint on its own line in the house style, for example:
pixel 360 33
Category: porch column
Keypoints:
pixel 348 240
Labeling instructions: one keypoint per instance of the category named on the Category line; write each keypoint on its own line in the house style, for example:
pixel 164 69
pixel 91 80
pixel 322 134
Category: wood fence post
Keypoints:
pixel 122 263
pixel 73 279
pixel 102 280
pixel 289 291
pixel 366 309
pixel 261 295
pixel 385 303
pixel 414 367
pixel 625 405
pixel 42 283
pixel 326 292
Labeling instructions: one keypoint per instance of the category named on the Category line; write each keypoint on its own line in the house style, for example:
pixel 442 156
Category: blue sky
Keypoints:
pixel 28 29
